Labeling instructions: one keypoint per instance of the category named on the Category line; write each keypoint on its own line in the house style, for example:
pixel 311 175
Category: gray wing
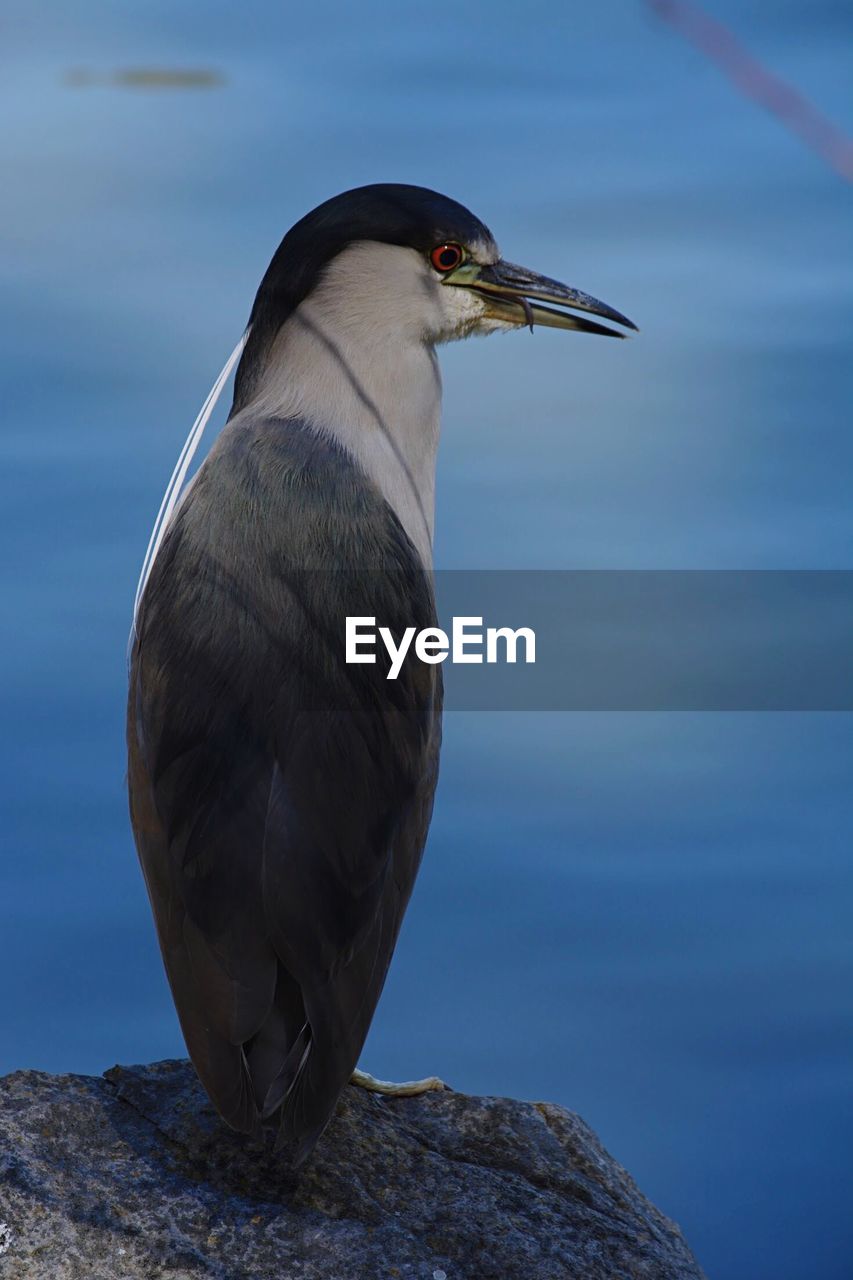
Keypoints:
pixel 280 799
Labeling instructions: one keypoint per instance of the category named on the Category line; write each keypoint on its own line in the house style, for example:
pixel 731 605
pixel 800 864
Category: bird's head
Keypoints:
pixel 391 256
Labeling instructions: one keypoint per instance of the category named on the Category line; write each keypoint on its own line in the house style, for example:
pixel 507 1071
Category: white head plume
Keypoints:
pixel 176 484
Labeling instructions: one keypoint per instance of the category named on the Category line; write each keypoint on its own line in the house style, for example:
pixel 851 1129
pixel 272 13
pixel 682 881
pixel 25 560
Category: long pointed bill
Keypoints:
pixel 513 294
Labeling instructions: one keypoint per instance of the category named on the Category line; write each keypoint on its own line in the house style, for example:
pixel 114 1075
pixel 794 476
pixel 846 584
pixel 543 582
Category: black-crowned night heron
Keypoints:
pixel 280 798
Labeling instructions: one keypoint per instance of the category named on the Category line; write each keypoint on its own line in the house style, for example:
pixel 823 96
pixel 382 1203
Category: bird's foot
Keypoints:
pixel 405 1089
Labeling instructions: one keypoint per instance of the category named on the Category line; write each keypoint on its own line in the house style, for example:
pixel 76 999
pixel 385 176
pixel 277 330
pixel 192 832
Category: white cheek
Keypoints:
pixel 464 313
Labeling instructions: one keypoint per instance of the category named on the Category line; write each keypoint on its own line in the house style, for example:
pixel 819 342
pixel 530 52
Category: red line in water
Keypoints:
pixel 748 75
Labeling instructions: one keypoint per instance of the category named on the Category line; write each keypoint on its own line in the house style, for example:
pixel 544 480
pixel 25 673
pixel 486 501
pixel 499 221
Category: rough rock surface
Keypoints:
pixel 132 1175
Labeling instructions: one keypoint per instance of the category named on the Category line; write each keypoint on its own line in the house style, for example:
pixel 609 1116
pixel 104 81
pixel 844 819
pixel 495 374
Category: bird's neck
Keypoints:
pixel 375 390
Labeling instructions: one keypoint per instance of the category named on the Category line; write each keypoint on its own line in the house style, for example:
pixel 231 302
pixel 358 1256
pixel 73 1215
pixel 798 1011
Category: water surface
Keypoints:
pixel 643 917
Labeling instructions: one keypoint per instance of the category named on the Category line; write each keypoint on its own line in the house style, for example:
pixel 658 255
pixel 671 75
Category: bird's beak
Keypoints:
pixel 513 294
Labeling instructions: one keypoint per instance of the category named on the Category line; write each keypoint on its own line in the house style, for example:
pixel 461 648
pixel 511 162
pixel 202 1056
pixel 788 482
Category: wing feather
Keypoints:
pixel 280 799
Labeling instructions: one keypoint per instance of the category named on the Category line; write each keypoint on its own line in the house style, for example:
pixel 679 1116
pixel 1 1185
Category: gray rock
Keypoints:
pixel 133 1175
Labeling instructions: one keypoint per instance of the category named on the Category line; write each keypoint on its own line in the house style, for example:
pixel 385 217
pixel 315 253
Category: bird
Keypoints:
pixel 280 798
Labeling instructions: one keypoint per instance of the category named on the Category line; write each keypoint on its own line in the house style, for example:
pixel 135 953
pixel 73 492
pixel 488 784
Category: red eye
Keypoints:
pixel 445 257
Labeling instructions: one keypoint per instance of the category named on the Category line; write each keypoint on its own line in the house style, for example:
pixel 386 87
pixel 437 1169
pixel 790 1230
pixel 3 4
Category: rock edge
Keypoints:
pixel 132 1175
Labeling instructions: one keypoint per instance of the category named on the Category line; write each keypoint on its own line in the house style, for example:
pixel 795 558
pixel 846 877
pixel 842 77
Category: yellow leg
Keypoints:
pixel 405 1089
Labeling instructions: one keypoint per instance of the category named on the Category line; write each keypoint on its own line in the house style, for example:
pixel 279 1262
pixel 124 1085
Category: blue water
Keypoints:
pixel 646 918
